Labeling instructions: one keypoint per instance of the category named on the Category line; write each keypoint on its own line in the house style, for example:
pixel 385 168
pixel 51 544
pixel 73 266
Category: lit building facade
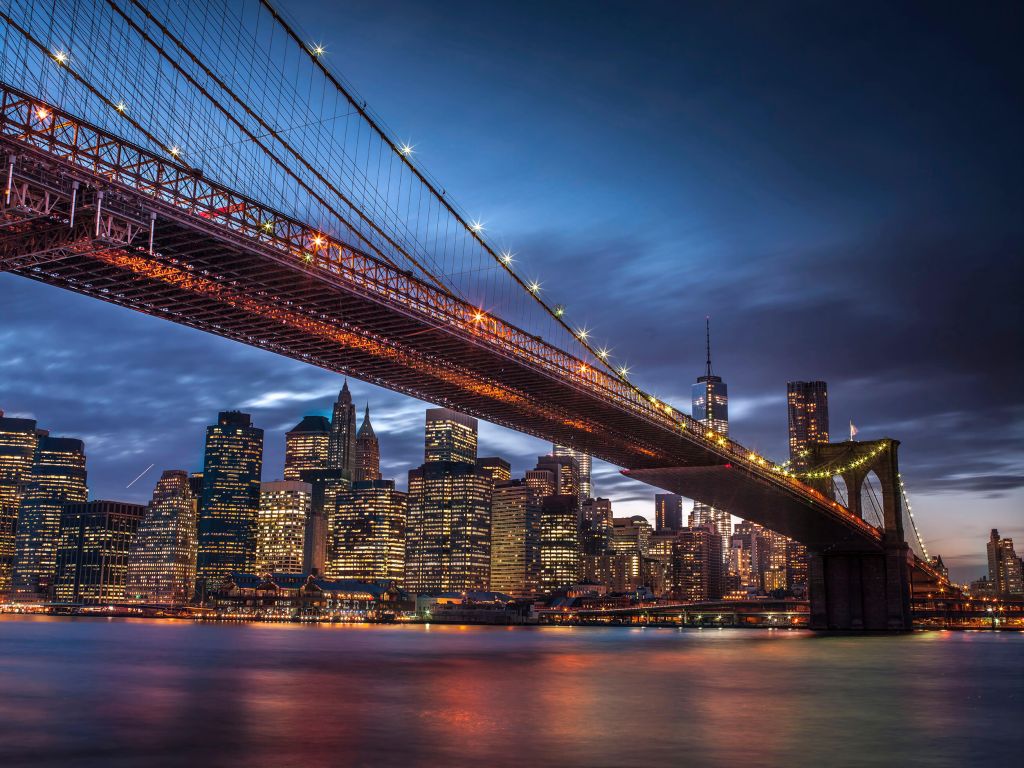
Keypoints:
pixel 162 560
pixel 596 524
pixel 93 551
pixel 17 449
pixel 584 462
pixel 57 478
pixel 306 446
pixel 231 497
pixel 327 485
pixel 559 542
pixel 566 471
pixel 341 448
pixel 448 539
pixel 668 512
pixel 515 539
pixel 449 436
pixel 368 533
pixel 367 452
pixel 696 570
pixel 1004 567
pixel 281 526
pixel 631 535
pixel 807 403
pixel 499 470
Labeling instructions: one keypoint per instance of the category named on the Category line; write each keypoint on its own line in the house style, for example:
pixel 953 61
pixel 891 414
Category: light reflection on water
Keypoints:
pixel 94 692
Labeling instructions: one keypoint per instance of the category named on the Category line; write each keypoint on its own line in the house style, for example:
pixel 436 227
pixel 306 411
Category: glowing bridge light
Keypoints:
pixel 559 310
pixel 603 353
pixel 120 106
pixel 318 240
pixel 506 256
pixel 534 286
pixel 318 49
pixel 477 226
pixel 623 371
pixel 406 149
pixel 42 113
pixel 60 57
pixel 583 333
pixel 175 150
pixel 479 317
pixel 268 226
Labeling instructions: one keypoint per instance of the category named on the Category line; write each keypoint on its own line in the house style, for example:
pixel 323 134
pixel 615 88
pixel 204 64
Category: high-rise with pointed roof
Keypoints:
pixel 367 451
pixel 341 448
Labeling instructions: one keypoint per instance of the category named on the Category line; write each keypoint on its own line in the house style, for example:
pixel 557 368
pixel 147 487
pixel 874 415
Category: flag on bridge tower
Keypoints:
pixel 853 431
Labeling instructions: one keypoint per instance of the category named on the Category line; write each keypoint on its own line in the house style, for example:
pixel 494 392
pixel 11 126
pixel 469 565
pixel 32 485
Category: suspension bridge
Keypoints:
pixel 202 163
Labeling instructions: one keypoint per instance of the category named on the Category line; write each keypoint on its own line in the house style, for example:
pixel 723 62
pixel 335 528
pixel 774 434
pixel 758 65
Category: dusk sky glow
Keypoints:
pixel 841 189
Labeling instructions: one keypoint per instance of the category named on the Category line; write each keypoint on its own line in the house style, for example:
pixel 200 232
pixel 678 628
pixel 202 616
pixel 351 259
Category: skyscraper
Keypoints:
pixel 1004 567
pixel 17 449
pixel 808 417
pixel 281 526
pixel 57 478
pixel 559 541
pixel 500 471
pixel 696 569
pixel 584 462
pixel 449 436
pixel 515 539
pixel 367 451
pixel 92 554
pixel 710 407
pixel 668 512
pixel 162 559
pixel 368 533
pixel 448 543
pixel 231 496
pixel 566 471
pixel 341 449
pixel 306 446
pixel 596 525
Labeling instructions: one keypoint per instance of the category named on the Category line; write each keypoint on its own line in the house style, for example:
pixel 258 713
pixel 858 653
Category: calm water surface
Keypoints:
pixel 132 693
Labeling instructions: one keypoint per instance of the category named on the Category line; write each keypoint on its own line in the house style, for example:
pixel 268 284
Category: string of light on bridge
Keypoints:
pixel 910 513
pixel 832 471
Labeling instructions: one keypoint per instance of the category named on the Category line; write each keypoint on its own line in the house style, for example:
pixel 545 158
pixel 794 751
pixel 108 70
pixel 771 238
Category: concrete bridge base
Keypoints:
pixel 860 592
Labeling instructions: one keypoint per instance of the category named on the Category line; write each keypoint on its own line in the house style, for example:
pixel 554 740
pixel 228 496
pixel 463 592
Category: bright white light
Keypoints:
pixel 318 49
pixel 583 333
pixel 42 114
pixel 406 149
pixel 175 150
pixel 623 371
pixel 477 226
pixel 603 353
pixel 506 256
pixel 121 106
pixel 60 57
pixel 534 286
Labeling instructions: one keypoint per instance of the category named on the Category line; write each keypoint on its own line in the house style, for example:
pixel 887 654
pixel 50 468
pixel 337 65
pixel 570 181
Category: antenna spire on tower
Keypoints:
pixel 707 333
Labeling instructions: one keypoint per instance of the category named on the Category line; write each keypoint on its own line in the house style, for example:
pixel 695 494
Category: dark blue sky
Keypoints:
pixel 839 187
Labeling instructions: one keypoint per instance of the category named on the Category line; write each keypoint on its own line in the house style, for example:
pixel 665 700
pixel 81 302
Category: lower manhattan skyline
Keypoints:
pixel 593 383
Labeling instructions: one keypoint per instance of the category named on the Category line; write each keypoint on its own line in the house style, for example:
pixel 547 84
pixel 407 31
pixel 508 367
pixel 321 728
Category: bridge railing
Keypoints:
pixel 59 134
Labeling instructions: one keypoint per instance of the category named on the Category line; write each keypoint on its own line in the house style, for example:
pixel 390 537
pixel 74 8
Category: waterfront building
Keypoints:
pixel 306 446
pixel 696 572
pixel 448 544
pixel 1004 567
pixel 230 503
pixel 559 541
pixel 668 512
pixel 17 449
pixel 515 539
pixel 341 448
pixel 368 534
pixel 281 526
pixel 367 451
pixel 584 462
pixel 596 524
pixel 162 560
pixel 807 403
pixel 619 572
pixel 93 550
pixel 58 478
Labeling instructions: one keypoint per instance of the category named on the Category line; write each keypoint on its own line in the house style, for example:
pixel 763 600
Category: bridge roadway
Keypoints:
pixel 89 212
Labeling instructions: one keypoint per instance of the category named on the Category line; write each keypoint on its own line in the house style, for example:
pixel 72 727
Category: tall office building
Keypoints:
pixel 341 448
pixel 231 497
pixel 499 470
pixel 281 526
pixel 808 417
pixel 566 471
pixel 448 544
pixel 367 451
pixel 57 478
pixel 596 526
pixel 17 449
pixel 584 462
pixel 162 560
pixel 93 549
pixel 515 539
pixel 368 533
pixel 1004 567
pixel 326 485
pixel 449 436
pixel 710 406
pixel 668 512
pixel 696 569
pixel 306 446
pixel 559 542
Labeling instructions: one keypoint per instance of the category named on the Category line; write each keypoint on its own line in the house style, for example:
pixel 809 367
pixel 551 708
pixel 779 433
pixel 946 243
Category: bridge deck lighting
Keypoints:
pixel 477 226
pixel 559 310
pixel 121 106
pixel 583 333
pixel 603 353
pixel 318 240
pixel 60 57
pixel 623 371
pixel 406 149
pixel 506 257
pixel 175 150
pixel 478 317
pixel 534 286
pixel 318 49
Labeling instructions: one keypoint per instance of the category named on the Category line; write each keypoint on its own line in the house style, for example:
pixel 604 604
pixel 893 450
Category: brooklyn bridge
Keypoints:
pixel 203 163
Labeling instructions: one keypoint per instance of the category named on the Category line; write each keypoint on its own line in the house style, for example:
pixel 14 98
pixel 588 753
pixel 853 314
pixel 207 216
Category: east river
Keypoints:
pixel 95 692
